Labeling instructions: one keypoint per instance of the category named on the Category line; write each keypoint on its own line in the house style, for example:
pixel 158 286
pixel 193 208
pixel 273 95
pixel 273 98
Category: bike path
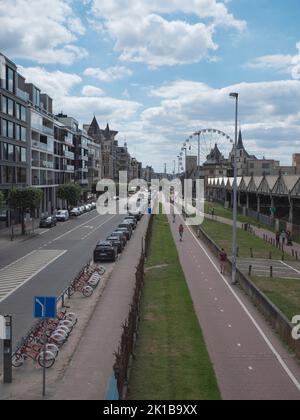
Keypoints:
pixel 249 360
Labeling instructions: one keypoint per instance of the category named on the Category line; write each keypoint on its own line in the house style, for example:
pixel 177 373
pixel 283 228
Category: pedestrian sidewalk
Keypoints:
pixel 259 232
pixel 9 235
pixel 89 373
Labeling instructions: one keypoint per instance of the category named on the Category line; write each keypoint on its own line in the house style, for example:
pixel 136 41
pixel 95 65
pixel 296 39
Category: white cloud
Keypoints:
pixel 289 64
pixel 92 91
pixel 55 83
pixel 108 75
pixel 142 32
pixel 40 30
pixel 269 114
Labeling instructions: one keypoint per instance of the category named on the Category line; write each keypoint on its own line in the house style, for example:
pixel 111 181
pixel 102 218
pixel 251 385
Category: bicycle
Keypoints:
pixel 45 359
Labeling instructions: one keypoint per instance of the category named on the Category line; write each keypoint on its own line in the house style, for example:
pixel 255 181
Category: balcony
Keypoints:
pixel 47 130
pixel 22 95
pixel 38 145
pixel 69 155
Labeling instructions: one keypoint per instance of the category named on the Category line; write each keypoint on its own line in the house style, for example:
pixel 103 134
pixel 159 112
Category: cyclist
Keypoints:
pixel 181 230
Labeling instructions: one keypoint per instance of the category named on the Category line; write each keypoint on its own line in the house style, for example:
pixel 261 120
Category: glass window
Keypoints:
pixel 5 151
pixel 4 104
pixel 10 129
pixel 11 153
pixel 4 127
pixel 10 107
pixel 9 174
pixel 23 116
pixel 18 153
pixel 21 176
pixel 10 79
pixel 23 134
pixel 23 155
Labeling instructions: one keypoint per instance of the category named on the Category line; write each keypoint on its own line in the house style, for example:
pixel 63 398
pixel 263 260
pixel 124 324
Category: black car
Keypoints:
pixel 126 225
pixel 136 214
pixel 105 251
pixel 125 231
pixel 116 242
pixel 121 236
pixel 48 222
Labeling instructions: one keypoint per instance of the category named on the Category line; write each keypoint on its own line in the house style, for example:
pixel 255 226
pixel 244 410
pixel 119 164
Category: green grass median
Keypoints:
pixel 221 234
pixel 172 362
pixel 284 293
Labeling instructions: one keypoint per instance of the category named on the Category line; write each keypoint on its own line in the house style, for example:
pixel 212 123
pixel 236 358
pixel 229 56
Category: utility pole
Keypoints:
pixel 234 230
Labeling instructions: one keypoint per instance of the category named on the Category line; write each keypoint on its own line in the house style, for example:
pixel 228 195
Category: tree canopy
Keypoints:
pixel 70 193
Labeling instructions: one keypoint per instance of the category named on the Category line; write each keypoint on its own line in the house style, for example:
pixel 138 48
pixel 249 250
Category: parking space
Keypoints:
pixel 263 268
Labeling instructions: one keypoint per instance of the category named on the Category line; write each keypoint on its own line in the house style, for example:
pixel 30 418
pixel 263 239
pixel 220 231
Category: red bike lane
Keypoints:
pixel 249 360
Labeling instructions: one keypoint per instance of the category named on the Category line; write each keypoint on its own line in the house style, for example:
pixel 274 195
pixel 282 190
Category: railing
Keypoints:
pixel 22 95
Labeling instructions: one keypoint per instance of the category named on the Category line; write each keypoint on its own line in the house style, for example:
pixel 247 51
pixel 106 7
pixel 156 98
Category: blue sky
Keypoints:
pixel 159 71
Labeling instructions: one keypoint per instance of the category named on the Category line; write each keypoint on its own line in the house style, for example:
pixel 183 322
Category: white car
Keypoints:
pixel 75 212
pixel 62 216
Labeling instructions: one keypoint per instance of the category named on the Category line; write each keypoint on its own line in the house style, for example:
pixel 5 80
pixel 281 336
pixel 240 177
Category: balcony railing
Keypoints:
pixel 22 95
pixel 69 155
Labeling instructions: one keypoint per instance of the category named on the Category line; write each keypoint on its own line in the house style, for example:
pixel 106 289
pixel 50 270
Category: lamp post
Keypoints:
pixel 234 229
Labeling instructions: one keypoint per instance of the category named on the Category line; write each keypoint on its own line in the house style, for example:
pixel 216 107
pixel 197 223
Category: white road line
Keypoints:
pixel 78 227
pixel 33 268
pixel 292 268
pixel 259 329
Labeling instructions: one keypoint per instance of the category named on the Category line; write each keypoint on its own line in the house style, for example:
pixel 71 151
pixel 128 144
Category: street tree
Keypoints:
pixel 25 200
pixel 70 193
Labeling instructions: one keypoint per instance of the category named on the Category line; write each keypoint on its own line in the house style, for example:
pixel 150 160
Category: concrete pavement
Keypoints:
pixel 249 360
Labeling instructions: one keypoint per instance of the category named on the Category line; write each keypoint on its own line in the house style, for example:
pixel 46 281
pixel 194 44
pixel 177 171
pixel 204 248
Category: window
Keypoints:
pixel 21 112
pixel 10 129
pixel 4 127
pixel 11 153
pixel 23 155
pixel 5 151
pixel 21 176
pixel 10 79
pixel 9 175
pixel 18 153
pixel 10 107
pixel 23 134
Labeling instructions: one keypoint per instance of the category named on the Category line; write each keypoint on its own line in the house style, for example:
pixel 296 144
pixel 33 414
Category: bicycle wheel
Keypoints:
pixel 58 339
pixel 71 316
pixel 53 349
pixel 101 270
pixel 87 291
pixel 66 323
pixel 47 361
pixel 17 360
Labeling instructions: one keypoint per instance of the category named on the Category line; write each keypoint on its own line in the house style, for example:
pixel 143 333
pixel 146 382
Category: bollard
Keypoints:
pixel 282 258
pixel 271 272
pixel 270 255
pixel 251 252
pixel 297 255
pixel 237 251
pixel 293 253
pixel 250 270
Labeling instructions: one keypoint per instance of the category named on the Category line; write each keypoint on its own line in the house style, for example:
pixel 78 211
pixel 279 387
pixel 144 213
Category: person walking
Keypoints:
pixel 277 239
pixel 283 238
pixel 223 259
pixel 181 230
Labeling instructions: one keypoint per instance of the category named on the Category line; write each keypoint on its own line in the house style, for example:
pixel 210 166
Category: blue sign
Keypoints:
pixel 45 307
pixel 149 210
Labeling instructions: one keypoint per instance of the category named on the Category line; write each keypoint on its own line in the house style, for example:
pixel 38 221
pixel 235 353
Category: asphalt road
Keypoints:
pixel 48 263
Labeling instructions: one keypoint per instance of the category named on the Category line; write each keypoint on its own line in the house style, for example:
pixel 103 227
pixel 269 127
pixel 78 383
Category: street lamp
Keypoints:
pixel 234 229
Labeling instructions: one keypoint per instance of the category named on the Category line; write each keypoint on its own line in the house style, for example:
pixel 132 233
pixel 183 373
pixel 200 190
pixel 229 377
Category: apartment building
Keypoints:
pixel 14 133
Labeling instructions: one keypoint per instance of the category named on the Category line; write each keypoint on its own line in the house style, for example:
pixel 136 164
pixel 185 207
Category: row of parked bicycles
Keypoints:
pixel 48 336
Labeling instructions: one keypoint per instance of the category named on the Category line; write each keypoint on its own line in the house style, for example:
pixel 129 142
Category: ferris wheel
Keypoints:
pixel 204 144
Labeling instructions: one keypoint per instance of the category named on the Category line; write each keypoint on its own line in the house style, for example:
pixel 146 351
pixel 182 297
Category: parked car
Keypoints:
pixel 62 215
pixel 117 242
pixel 125 231
pixel 94 206
pixel 105 251
pixel 132 220
pixel 121 236
pixel 75 212
pixel 82 209
pixel 127 226
pixel 88 207
pixel 48 222
pixel 136 214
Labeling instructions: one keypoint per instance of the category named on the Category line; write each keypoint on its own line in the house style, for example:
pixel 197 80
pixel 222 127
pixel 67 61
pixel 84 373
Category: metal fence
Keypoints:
pixel 126 348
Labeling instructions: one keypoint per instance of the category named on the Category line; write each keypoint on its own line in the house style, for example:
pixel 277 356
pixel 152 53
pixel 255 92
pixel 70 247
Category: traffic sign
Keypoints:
pixel 45 307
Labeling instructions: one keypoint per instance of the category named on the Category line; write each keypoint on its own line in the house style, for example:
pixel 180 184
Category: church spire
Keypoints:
pixel 94 127
pixel 240 141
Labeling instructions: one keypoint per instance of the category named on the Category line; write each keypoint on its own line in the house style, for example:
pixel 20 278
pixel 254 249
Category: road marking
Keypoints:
pixel 292 268
pixel 79 226
pixel 250 368
pixel 259 329
pixel 229 326
pixel 21 271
